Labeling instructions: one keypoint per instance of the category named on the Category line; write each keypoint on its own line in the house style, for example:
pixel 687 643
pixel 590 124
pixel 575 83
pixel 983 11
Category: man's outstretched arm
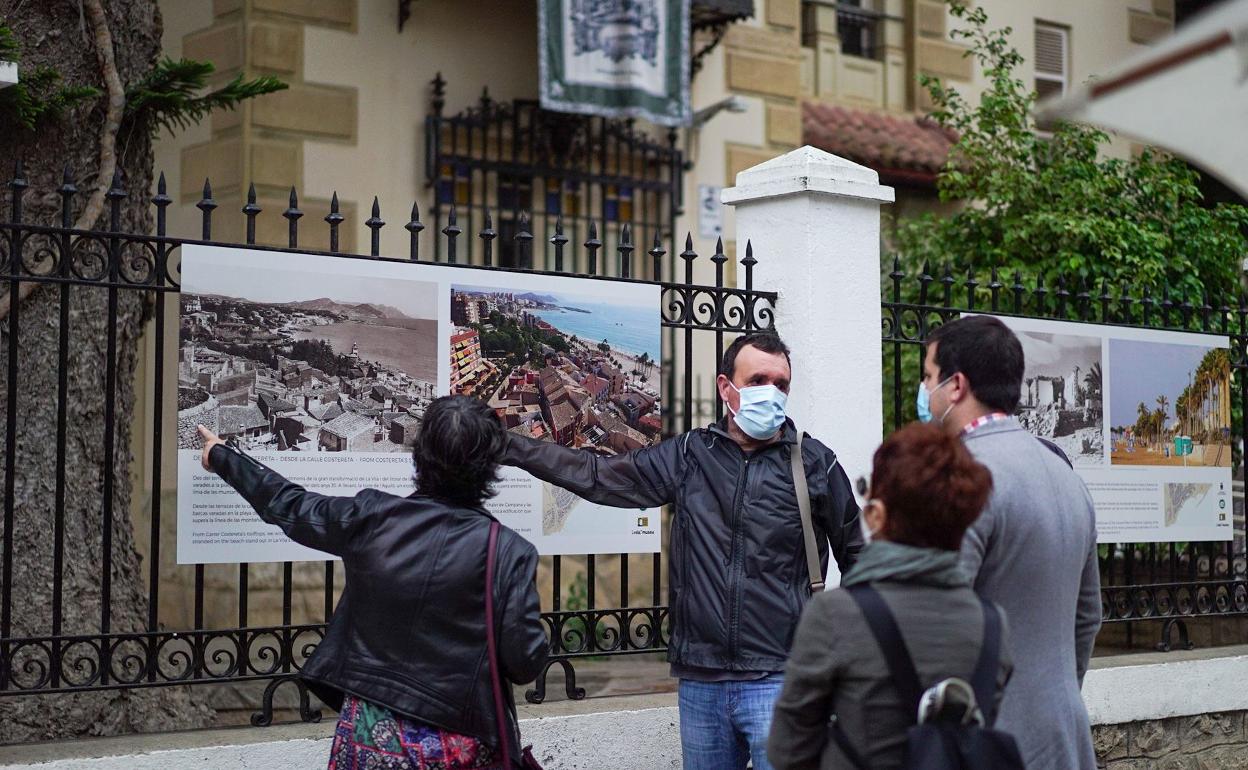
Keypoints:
pixel 642 478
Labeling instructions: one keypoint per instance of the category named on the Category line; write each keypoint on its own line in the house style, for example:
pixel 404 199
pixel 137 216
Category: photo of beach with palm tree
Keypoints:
pixel 1169 404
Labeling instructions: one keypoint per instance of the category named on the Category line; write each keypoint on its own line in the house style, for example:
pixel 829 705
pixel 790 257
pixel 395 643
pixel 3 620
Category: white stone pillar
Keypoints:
pixel 8 73
pixel 814 222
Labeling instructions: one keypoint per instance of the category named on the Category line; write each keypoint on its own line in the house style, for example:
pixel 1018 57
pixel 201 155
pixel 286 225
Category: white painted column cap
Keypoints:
pixel 808 169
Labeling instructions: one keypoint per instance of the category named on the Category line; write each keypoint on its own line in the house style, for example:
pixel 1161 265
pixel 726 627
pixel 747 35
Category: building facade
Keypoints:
pixel 770 76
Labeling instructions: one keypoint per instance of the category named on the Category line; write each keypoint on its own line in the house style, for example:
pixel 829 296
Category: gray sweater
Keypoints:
pixel 1033 552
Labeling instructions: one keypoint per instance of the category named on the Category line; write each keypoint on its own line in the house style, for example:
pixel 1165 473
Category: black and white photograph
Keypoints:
pixel 305 361
pixel 1062 398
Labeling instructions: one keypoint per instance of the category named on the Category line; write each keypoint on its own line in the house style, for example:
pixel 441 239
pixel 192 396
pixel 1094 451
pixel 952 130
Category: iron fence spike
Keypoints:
pixel 749 253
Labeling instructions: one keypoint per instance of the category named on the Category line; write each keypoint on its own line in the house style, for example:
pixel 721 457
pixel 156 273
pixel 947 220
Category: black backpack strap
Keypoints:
pixel 984 680
pixel 847 748
pixel 884 627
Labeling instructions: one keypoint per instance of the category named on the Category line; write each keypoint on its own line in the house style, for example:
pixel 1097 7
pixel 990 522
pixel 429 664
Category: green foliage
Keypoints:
pixel 9 49
pixel 1055 206
pixel 167 98
pixel 39 96
pixel 518 344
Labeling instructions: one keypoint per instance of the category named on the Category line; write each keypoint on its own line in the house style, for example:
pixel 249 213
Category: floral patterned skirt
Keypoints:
pixel 371 736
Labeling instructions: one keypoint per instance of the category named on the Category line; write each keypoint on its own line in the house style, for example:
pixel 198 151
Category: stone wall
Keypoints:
pixel 1217 741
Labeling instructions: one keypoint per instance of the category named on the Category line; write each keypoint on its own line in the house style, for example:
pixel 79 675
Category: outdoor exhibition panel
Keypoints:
pixel 1144 416
pixel 322 367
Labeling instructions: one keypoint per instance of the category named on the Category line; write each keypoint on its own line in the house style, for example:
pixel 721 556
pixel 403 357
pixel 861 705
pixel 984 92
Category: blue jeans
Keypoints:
pixel 724 724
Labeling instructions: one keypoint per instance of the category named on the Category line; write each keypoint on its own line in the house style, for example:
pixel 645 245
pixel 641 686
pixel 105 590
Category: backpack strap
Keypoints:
pixel 847 748
pixel 814 570
pixel 984 680
pixel 884 628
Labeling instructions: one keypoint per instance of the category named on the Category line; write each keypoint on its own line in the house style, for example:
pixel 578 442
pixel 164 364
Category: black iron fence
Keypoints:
pixel 508 167
pixel 229 634
pixel 1166 585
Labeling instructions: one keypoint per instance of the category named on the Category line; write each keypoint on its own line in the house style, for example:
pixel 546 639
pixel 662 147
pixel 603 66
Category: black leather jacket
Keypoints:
pixel 737 575
pixel 409 630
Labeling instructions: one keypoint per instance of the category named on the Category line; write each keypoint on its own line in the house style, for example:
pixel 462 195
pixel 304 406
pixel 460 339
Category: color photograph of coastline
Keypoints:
pixel 306 362
pixel 1170 404
pixel 571 369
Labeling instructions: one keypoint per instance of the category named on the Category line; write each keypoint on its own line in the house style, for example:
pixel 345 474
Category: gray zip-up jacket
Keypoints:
pixel 737 575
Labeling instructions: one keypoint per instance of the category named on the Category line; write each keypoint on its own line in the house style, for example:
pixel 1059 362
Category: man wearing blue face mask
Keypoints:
pixel 737 570
pixel 1038 529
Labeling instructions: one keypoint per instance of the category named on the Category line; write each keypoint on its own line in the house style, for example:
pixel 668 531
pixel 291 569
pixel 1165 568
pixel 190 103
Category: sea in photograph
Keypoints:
pixel 413 350
pixel 629 328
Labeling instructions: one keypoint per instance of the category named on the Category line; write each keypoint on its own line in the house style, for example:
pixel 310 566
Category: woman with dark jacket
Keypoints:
pixel 926 489
pixel 404 659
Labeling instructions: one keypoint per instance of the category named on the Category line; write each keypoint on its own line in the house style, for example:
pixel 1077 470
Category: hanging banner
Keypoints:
pixel 1144 416
pixel 615 58
pixel 321 368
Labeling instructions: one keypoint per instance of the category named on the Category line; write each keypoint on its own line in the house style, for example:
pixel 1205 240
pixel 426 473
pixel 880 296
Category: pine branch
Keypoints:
pixel 167 98
pixel 39 96
pixel 9 50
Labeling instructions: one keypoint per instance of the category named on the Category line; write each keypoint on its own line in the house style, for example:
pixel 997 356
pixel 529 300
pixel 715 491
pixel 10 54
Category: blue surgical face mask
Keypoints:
pixel 923 401
pixel 762 410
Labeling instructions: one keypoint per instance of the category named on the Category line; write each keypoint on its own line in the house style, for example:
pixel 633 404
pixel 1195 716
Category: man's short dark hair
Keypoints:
pixel 987 353
pixel 768 342
pixel 457 452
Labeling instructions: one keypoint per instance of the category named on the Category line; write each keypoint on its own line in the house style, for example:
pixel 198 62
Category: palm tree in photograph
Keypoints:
pixel 1163 404
pixel 1092 382
pixel 1220 373
pixel 1142 422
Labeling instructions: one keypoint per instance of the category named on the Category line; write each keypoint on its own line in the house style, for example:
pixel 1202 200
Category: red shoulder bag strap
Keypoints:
pixel 491 645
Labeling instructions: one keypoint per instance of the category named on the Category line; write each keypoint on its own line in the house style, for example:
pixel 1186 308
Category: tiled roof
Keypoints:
pixel 563 414
pixel 273 402
pixel 906 150
pixel 349 425
pixel 246 417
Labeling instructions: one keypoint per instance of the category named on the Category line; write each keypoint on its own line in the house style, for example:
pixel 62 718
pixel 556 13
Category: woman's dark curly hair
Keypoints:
pixel 457 452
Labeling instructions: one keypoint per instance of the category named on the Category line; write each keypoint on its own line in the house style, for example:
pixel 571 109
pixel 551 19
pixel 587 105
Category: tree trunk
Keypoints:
pixel 64 34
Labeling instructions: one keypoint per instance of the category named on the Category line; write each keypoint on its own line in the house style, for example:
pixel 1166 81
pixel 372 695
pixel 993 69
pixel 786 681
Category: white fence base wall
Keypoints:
pixel 640 732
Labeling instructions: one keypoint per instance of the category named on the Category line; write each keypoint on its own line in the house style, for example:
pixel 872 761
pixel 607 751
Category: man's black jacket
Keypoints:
pixel 737 575
pixel 409 630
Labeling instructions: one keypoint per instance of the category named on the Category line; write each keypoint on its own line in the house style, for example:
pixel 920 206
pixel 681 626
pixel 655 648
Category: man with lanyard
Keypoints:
pixel 738 574
pixel 1033 549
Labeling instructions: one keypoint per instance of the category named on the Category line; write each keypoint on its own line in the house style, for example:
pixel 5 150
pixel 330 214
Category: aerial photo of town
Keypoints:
pixel 279 366
pixel 569 369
